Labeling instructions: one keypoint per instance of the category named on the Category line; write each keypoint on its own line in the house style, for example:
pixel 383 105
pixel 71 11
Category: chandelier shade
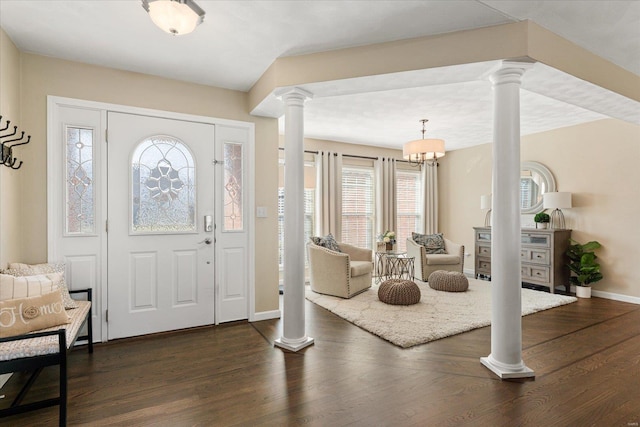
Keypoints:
pixel 425 150
pixel 177 17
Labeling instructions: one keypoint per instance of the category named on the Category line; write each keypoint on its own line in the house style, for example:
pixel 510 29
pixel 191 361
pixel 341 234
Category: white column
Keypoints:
pixel 505 359
pixel 294 337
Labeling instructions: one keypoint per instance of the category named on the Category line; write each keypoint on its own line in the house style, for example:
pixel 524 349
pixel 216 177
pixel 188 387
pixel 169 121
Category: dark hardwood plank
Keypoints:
pixel 586 356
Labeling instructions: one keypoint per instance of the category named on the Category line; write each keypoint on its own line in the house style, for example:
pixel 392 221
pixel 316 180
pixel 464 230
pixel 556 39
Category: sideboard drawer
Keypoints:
pixel 536 273
pixel 484 267
pixel 534 239
pixel 483 236
pixel 483 251
pixel 536 256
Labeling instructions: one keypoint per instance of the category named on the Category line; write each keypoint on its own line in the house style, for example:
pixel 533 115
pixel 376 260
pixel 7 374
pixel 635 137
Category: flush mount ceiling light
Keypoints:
pixel 176 17
pixel 423 150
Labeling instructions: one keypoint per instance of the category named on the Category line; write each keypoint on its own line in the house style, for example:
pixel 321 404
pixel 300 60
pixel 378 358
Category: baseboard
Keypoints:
pixel 265 315
pixel 595 293
pixel 469 273
pixel 613 296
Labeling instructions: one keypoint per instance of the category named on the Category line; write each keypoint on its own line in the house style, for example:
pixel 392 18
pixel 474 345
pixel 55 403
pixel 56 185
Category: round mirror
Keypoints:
pixel 535 180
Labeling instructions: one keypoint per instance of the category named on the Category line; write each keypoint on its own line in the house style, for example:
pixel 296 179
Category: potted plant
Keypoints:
pixel 584 268
pixel 541 218
pixel 389 239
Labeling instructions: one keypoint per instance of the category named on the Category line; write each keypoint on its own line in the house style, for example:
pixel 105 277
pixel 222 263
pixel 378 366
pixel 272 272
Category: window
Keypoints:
pixel 409 207
pixel 309 218
pixel 528 192
pixel 358 206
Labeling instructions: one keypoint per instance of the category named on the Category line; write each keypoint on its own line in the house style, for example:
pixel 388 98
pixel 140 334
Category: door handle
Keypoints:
pixel 207 241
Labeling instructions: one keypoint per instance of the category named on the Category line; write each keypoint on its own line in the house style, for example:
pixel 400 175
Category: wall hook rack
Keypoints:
pixel 6 152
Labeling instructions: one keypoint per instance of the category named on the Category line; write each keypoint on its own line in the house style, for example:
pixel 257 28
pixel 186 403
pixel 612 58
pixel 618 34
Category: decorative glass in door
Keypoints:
pixel 80 199
pixel 163 187
pixel 233 213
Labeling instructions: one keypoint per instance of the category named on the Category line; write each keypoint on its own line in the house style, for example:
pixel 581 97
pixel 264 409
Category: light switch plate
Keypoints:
pixel 261 212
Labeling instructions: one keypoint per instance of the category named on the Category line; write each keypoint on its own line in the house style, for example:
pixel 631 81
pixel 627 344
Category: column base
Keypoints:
pixel 293 345
pixel 505 371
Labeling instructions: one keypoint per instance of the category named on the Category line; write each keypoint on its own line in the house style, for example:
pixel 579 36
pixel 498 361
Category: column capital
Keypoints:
pixel 510 72
pixel 293 94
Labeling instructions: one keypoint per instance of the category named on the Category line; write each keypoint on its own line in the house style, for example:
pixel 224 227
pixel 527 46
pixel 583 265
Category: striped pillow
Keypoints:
pixel 53 272
pixel 12 287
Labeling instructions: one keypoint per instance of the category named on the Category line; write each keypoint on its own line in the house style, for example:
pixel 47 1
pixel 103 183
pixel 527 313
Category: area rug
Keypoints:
pixel 438 314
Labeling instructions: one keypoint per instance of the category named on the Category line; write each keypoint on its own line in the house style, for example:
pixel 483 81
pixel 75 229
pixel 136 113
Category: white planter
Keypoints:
pixel 583 291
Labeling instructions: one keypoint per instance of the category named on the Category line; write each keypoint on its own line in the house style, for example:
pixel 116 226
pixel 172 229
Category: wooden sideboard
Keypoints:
pixel 542 256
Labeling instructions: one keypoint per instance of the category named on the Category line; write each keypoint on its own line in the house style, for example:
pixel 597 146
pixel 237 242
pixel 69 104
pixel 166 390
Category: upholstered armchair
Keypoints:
pixel 425 263
pixel 341 274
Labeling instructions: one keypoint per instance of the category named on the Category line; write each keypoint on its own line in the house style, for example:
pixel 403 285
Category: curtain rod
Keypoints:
pixel 348 155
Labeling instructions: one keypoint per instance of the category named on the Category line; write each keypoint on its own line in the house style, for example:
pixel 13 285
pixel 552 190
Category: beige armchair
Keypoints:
pixel 425 264
pixel 341 274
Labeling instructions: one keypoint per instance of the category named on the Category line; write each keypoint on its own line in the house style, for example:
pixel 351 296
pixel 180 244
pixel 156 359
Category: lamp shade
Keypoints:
pixel 485 201
pixel 175 17
pixel 423 149
pixel 556 200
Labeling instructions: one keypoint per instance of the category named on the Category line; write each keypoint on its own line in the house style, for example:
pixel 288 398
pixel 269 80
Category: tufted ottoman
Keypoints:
pixel 399 292
pixel 450 281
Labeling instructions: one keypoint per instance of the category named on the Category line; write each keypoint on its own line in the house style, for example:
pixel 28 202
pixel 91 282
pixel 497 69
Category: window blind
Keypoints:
pixel 358 206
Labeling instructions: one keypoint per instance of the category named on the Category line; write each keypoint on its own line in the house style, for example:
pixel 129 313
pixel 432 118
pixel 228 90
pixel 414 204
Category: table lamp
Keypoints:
pixel 557 201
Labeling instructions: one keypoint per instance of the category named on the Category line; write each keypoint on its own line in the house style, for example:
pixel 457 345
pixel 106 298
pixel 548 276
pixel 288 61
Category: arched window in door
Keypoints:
pixel 163 187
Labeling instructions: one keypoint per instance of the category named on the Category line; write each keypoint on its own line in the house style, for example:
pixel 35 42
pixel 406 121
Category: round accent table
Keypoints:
pixel 399 292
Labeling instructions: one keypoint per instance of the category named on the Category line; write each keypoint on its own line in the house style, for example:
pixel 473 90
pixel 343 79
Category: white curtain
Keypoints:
pixel 430 185
pixel 385 172
pixel 329 194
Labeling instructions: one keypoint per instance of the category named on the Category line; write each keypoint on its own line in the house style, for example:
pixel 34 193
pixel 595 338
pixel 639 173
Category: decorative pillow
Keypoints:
pixel 433 243
pixel 19 283
pixel 58 280
pixel 22 287
pixel 21 315
pixel 31 269
pixel 327 241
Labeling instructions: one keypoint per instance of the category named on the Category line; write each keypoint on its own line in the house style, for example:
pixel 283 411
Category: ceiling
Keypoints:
pixel 240 39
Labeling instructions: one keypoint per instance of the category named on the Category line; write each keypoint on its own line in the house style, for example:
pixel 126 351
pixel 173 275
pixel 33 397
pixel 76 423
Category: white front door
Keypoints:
pixel 160 193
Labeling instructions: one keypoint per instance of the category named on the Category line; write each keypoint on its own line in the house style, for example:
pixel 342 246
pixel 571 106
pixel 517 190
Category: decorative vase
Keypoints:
pixel 542 225
pixel 583 291
pixel 389 246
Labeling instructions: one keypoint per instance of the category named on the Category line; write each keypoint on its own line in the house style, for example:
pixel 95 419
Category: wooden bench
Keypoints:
pixel 34 351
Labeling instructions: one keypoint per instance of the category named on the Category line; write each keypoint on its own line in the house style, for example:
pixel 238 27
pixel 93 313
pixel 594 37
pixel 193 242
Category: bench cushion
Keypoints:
pixel 46 345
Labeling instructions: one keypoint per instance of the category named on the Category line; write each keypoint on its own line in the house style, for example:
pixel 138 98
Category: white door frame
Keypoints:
pixel 55 169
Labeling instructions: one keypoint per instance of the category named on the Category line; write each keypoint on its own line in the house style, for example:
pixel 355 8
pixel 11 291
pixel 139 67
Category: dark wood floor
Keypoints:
pixel 586 357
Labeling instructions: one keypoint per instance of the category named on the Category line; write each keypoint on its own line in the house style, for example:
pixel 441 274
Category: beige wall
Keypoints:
pixel 9 179
pixel 597 162
pixel 344 148
pixel 42 76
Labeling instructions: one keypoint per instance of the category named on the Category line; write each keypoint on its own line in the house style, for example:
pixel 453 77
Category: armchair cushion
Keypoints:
pixel 358 268
pixel 327 241
pixel 433 243
pixel 443 259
